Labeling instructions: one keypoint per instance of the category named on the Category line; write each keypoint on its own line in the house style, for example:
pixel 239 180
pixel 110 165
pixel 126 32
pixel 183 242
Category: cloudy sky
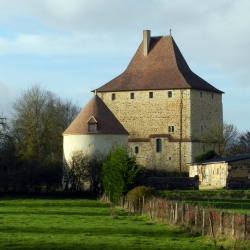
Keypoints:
pixel 71 47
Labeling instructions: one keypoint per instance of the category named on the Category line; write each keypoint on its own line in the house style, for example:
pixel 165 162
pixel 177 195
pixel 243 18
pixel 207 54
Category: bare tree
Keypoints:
pixel 220 138
pixel 83 172
pixel 242 145
pixel 37 124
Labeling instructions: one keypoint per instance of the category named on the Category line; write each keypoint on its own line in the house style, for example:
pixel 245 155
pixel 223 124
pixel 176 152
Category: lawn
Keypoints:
pixel 86 224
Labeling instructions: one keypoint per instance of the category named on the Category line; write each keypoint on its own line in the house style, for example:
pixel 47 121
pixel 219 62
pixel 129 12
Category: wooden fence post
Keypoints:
pixel 168 212
pixel 150 209
pixel 196 218
pixel 171 213
pixel 211 225
pixel 245 226
pixel 153 210
pixel 176 213
pixel 203 222
pixel 233 224
pixel 143 204
pixel 222 223
pixel 183 213
pixel 139 208
pixel 187 219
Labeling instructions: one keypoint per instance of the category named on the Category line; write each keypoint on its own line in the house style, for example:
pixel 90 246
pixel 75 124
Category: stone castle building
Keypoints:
pixel 162 104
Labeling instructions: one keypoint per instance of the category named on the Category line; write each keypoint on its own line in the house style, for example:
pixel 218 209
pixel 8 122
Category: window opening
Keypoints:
pixel 202 128
pixel 92 127
pixel 158 145
pixel 170 129
pixel 151 95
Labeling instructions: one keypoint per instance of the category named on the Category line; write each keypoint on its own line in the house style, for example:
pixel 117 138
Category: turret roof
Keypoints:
pixel 163 67
pixel 95 109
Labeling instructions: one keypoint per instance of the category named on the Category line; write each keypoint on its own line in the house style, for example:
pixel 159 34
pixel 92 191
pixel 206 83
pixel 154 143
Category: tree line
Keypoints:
pixel 31 147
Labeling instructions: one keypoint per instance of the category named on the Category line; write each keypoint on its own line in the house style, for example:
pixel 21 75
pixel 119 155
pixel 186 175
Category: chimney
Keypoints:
pixel 146 41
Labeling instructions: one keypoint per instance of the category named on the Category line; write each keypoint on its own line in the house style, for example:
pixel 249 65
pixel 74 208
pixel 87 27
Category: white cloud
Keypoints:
pixel 211 31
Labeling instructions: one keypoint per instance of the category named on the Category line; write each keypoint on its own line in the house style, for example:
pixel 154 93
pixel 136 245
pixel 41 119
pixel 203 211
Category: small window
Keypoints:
pixel 202 128
pixel 132 95
pixel 158 145
pixel 92 127
pixel 201 94
pixel 170 94
pixel 170 129
pixel 169 158
pixel 151 94
pixel 136 149
pixel 212 95
pixel 113 96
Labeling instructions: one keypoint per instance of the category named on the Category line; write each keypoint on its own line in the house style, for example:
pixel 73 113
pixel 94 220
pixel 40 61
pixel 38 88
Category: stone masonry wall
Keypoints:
pixel 147 119
pixel 143 116
pixel 206 111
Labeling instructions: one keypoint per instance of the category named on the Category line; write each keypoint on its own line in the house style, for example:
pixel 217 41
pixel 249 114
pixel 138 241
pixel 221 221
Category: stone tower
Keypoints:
pixel 164 106
pixel 94 131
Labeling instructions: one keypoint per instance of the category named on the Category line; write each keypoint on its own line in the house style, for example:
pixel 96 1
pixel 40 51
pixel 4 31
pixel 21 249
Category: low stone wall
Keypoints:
pixel 238 184
pixel 174 183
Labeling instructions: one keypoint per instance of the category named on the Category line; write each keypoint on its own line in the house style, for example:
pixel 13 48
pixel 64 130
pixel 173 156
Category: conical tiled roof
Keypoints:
pixel 96 109
pixel 163 68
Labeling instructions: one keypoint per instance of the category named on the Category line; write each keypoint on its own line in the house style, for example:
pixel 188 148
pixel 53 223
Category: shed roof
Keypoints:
pixel 232 158
pixel 163 67
pixel 96 110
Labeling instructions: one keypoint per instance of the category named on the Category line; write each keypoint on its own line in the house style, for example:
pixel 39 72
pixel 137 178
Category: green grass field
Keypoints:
pixel 237 201
pixel 86 224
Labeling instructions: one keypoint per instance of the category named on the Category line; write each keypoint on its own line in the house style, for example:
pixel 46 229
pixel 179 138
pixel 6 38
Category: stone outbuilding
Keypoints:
pixel 95 130
pixel 232 172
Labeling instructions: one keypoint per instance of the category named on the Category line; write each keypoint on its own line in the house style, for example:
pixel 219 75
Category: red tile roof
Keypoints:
pixel 163 68
pixel 96 109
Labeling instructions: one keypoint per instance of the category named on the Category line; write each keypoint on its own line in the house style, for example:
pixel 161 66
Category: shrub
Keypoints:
pixel 119 174
pixel 206 156
pixel 136 196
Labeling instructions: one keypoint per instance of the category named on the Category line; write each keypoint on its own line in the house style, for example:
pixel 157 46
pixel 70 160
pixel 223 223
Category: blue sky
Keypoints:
pixel 71 47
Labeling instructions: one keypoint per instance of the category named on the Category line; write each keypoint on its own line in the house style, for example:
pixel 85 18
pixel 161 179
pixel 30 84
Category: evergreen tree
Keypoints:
pixel 119 173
